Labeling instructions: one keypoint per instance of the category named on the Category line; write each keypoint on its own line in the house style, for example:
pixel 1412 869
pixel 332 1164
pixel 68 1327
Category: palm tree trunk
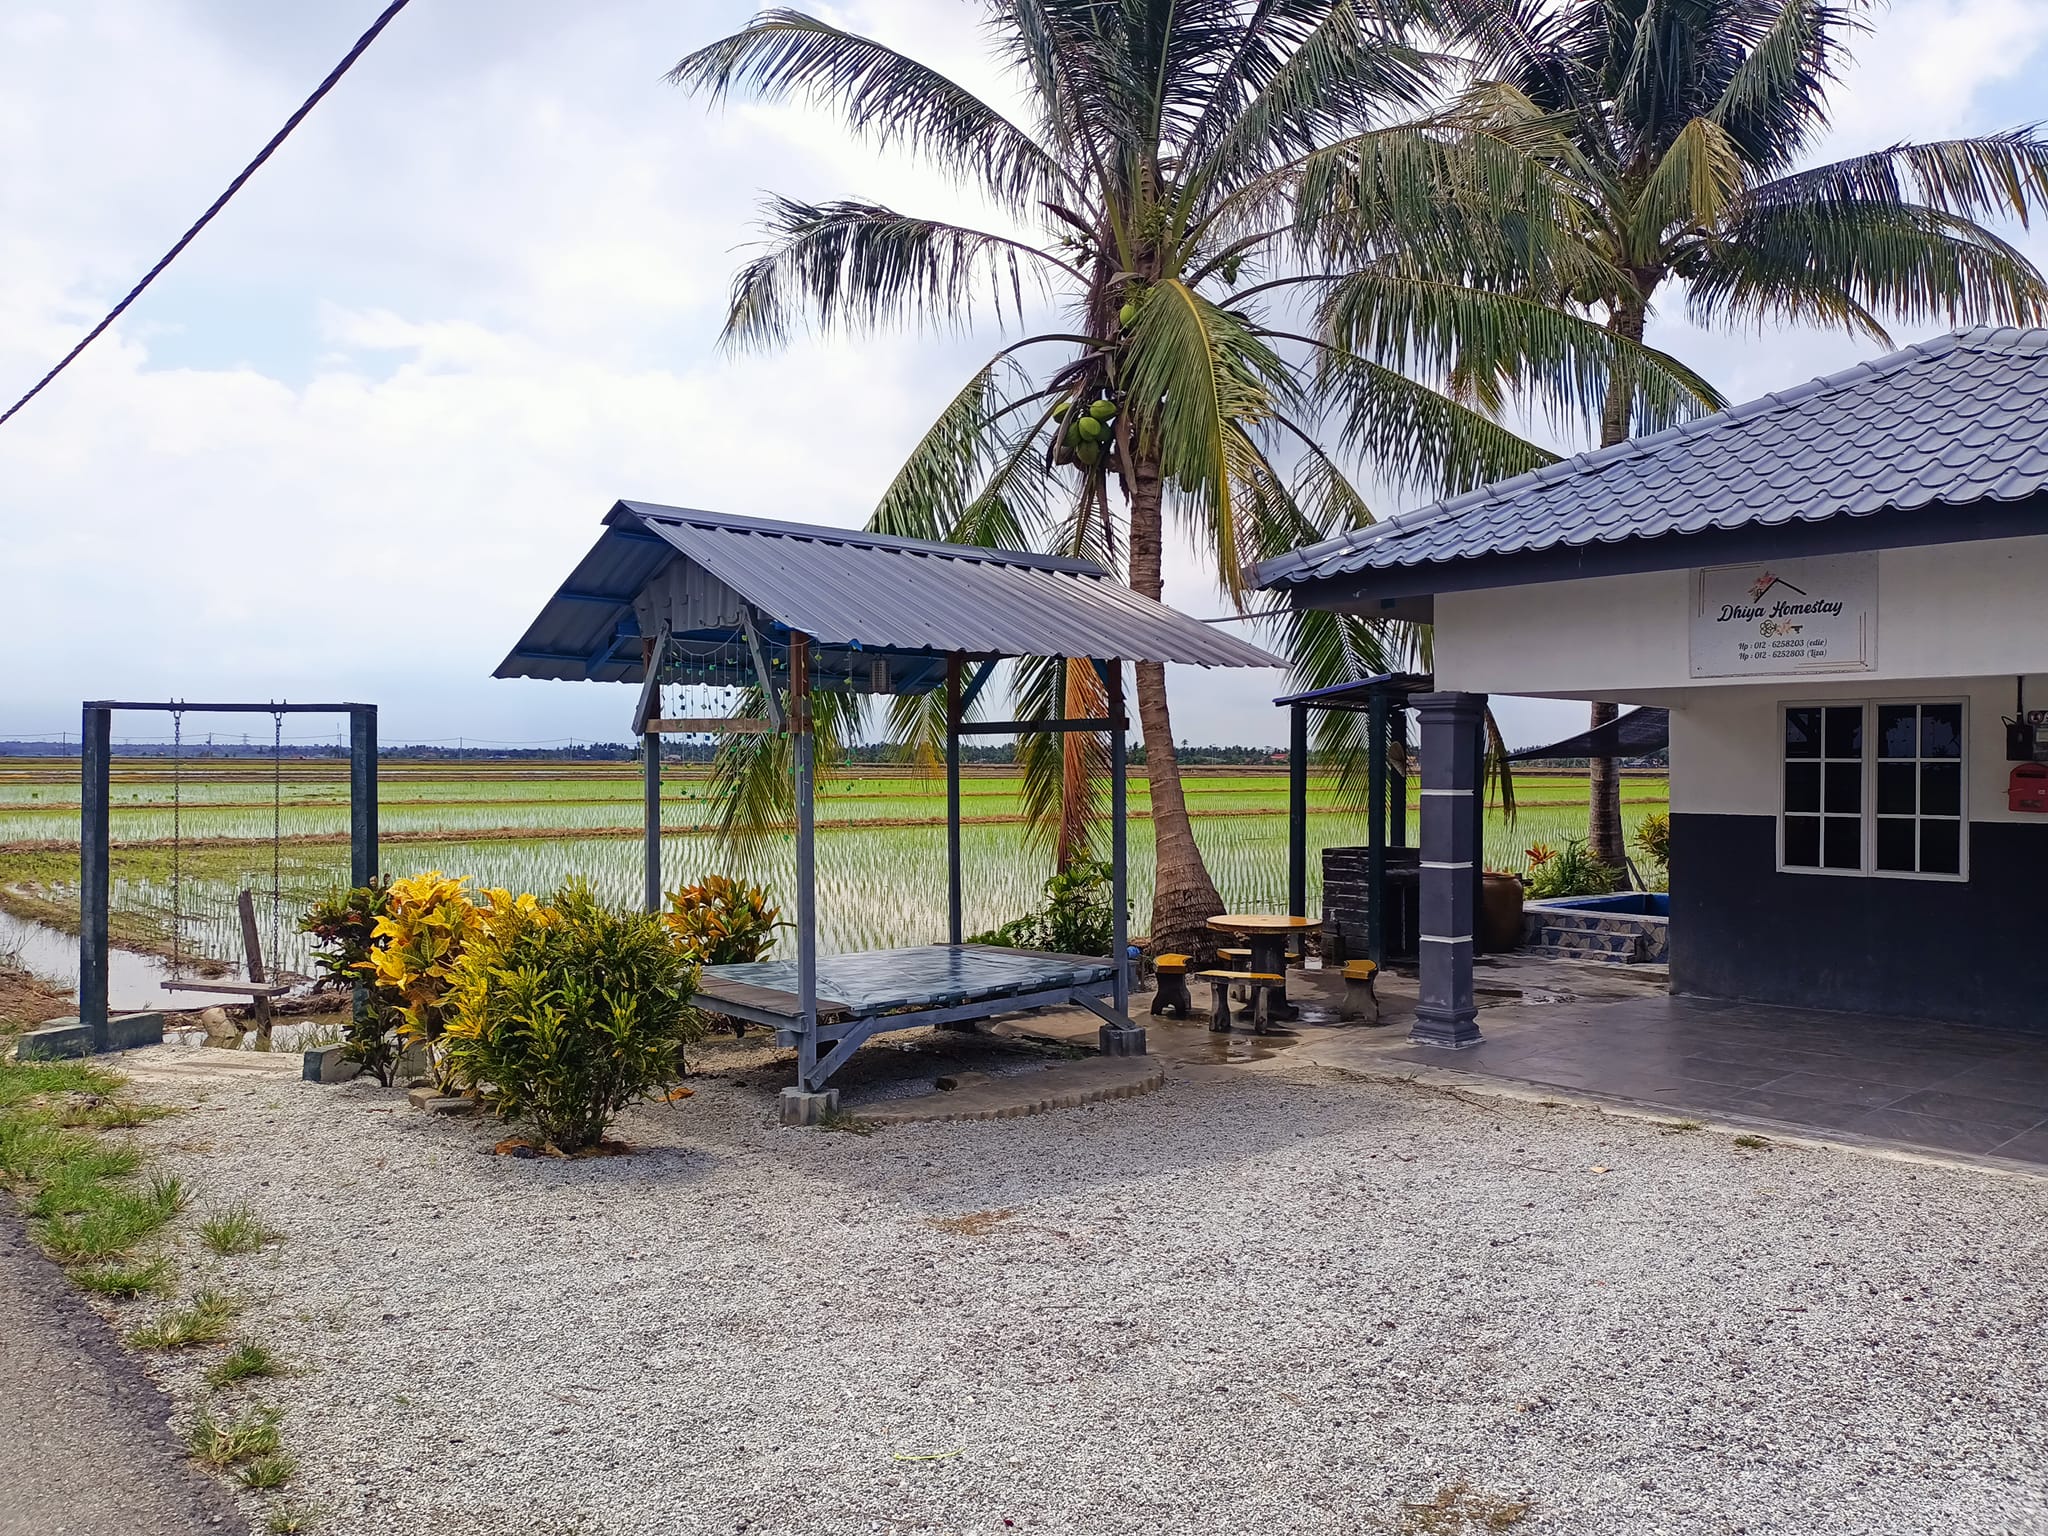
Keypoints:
pixel 1605 839
pixel 1183 896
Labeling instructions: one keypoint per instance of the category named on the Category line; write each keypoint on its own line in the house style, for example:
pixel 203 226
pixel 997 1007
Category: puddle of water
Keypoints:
pixel 134 981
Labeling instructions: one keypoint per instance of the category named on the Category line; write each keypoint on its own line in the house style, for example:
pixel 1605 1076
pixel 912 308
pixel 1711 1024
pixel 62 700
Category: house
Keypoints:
pixel 1840 593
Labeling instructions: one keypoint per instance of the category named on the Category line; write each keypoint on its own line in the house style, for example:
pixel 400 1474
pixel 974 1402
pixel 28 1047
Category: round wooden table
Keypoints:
pixel 1266 935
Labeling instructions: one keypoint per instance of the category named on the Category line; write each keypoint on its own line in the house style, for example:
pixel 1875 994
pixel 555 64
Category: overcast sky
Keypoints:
pixel 348 445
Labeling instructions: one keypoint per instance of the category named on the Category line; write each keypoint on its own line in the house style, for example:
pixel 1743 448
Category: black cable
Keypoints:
pixel 219 203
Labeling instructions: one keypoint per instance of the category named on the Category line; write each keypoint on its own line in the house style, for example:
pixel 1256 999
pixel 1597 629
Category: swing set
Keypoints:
pixel 261 981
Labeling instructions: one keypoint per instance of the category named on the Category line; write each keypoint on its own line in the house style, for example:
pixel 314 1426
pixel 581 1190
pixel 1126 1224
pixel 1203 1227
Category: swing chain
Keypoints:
pixel 177 844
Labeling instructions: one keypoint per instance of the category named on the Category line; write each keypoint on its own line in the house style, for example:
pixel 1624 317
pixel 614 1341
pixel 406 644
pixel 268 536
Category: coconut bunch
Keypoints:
pixel 1088 428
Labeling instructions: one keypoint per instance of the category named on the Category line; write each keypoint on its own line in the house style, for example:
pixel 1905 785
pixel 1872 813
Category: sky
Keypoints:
pixel 348 445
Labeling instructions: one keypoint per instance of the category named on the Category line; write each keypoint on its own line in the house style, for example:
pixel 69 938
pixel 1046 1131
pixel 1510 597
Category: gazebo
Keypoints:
pixel 669 594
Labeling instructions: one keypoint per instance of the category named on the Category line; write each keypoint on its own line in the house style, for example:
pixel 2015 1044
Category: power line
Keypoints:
pixel 206 218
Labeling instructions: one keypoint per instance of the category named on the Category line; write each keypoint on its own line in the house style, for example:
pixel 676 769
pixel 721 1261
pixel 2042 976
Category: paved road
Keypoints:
pixel 84 1448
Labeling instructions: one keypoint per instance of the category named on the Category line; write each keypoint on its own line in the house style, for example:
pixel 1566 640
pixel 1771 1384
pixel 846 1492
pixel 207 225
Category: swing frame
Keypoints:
pixel 95 831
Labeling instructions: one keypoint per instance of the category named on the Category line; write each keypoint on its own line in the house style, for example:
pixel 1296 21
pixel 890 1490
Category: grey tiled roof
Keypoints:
pixel 1959 419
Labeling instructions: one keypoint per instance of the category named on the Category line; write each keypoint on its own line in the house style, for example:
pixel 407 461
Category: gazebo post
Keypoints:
pixel 650 799
pixel 954 925
pixel 806 862
pixel 1376 827
pixel 1297 812
pixel 1397 779
pixel 1119 841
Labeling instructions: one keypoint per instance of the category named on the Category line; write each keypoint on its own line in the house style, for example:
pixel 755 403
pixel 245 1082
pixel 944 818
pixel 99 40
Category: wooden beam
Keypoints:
pixel 736 725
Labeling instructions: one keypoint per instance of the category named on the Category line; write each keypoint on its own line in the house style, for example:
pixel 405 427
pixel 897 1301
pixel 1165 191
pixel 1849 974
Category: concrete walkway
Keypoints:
pixel 84 1447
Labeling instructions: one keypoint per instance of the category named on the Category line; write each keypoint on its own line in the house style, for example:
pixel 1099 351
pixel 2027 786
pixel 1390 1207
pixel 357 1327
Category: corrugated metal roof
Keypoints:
pixel 1960 419
pixel 858 590
pixel 1635 734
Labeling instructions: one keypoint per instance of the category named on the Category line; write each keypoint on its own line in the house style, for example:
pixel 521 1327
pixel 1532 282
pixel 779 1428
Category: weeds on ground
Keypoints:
pixel 287 1518
pixel 125 1282
pixel 972 1224
pixel 840 1120
pixel 237 1230
pixel 266 1473
pixel 1752 1143
pixel 1459 1508
pixel 221 1444
pixel 1673 1127
pixel 245 1362
pixel 94 1112
pixel 109 1221
pixel 206 1319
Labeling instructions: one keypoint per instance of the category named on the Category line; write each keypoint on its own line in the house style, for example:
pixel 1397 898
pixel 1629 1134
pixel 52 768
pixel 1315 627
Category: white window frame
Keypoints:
pixel 1868 869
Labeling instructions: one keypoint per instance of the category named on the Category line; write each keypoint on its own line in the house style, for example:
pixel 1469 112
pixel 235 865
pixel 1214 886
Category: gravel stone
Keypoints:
pixel 1263 1299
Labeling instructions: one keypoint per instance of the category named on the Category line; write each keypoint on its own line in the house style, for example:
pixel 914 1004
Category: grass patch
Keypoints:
pixel 1751 1143
pixel 1673 1127
pixel 237 1230
pixel 288 1519
pixel 222 1443
pixel 108 1221
pixel 267 1472
pixel 840 1120
pixel 245 1362
pixel 206 1319
pixel 972 1224
pixel 125 1282
pixel 1458 1508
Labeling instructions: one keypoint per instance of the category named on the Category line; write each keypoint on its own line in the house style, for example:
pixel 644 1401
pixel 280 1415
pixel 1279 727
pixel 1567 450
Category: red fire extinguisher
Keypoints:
pixel 2027 790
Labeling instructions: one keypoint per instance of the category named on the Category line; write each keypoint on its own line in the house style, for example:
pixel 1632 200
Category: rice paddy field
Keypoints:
pixel 530 825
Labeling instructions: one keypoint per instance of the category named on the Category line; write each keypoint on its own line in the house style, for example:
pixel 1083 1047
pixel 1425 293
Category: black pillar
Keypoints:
pixel 362 794
pixel 1376 828
pixel 1119 846
pixel 1397 786
pixel 1452 733
pixel 1297 810
pixel 96 746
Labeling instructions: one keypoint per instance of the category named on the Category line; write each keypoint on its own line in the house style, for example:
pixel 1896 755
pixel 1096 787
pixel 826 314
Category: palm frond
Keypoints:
pixel 752 784
pixel 1691 187
pixel 1844 264
pixel 886 98
pixel 1775 100
pixel 859 266
pixel 2001 173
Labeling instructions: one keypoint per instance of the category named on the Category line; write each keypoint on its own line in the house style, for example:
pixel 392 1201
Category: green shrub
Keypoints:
pixel 566 1012
pixel 720 921
pixel 1569 871
pixel 1652 838
pixel 1078 918
pixel 345 941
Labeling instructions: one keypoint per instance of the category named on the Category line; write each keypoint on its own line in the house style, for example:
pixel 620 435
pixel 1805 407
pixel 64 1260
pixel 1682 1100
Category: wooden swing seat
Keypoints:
pixel 229 984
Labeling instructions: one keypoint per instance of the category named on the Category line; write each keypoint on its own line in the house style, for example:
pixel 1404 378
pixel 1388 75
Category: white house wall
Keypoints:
pixel 1943 611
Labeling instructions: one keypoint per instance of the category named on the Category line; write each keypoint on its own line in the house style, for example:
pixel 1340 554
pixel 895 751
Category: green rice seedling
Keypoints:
pixel 245 1362
pixel 220 1444
pixel 205 1319
pixel 236 1230
pixel 125 1282
pixel 266 1473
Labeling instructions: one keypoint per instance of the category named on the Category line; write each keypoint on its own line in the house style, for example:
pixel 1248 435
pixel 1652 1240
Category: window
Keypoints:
pixel 1873 789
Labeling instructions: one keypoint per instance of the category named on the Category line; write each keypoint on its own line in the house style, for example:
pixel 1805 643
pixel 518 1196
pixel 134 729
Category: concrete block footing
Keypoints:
pixel 70 1037
pixel 327 1064
pixel 1120 1042
pixel 801 1108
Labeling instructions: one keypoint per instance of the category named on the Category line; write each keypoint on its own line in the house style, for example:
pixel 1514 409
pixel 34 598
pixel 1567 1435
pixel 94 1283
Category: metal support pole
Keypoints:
pixel 1119 850
pixel 650 815
pixel 1397 780
pixel 1297 812
pixel 1376 829
pixel 362 794
pixel 806 859
pixel 954 924
pixel 96 745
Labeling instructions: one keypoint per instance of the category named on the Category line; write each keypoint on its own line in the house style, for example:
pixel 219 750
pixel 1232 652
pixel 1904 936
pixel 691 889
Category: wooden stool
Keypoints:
pixel 1172 993
pixel 1261 984
pixel 1239 960
pixel 1360 1000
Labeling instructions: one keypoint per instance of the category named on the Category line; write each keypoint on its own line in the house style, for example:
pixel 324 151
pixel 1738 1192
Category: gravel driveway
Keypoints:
pixel 1266 1299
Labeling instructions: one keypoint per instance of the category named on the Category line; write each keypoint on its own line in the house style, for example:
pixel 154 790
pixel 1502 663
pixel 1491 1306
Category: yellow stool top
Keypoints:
pixel 1170 963
pixel 1358 970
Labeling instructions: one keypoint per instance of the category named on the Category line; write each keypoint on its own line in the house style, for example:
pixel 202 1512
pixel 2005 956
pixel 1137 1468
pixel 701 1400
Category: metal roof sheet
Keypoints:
pixel 848 588
pixel 1955 420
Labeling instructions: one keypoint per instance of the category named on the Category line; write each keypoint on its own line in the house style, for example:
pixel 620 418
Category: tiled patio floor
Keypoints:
pixel 1943 1087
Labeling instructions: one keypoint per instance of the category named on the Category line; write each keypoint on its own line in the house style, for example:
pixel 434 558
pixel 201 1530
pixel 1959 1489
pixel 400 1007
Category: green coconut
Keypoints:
pixel 1091 430
pixel 1126 315
pixel 1089 454
pixel 1102 410
pixel 1059 411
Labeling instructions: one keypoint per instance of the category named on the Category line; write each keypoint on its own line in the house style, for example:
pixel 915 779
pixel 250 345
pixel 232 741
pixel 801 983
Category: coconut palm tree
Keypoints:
pixel 1679 126
pixel 1177 170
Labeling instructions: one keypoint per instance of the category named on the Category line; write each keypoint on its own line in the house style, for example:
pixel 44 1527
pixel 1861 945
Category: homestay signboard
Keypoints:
pixel 1785 617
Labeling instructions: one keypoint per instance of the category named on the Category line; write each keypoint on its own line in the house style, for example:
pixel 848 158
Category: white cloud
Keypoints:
pixel 372 417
